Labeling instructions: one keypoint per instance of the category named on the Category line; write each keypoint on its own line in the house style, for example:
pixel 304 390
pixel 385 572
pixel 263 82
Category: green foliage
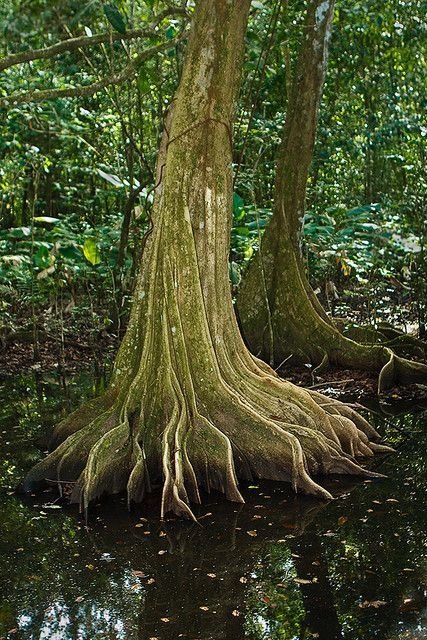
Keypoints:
pixel 76 161
pixel 114 17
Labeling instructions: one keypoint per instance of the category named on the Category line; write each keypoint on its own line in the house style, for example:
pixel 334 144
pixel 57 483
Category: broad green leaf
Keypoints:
pixel 90 251
pixel 238 206
pixel 170 32
pixel 43 258
pixel 70 252
pixel 114 17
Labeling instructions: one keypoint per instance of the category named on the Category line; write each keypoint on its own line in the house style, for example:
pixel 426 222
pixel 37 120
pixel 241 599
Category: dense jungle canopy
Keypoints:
pixel 165 164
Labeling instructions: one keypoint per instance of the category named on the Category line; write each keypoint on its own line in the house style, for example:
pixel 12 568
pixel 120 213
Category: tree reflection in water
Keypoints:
pixel 277 568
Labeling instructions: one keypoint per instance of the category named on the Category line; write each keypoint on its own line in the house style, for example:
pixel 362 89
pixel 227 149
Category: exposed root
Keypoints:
pixel 254 425
pixel 387 373
pixel 403 344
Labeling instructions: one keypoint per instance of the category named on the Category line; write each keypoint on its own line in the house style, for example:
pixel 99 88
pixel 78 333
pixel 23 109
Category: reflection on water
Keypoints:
pixel 276 568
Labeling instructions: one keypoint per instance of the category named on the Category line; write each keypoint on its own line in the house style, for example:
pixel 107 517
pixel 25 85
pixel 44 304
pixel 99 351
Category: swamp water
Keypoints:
pixel 279 567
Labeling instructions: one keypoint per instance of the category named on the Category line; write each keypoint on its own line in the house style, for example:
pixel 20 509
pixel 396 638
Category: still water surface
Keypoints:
pixel 279 567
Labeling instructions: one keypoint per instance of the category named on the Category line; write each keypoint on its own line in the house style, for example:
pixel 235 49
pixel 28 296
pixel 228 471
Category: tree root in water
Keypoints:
pixel 259 427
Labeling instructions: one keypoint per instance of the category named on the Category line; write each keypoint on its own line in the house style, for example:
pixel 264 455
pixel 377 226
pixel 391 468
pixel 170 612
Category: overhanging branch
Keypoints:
pixel 90 89
pixel 72 44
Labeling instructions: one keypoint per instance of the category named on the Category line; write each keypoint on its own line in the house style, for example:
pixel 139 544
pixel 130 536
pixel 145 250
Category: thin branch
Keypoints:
pixel 90 89
pixel 85 41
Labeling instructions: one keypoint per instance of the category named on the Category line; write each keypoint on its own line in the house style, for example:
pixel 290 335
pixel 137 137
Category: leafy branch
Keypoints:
pixel 90 89
pixel 71 44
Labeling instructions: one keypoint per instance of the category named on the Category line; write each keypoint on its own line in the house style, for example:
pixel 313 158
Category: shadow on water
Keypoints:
pixel 279 567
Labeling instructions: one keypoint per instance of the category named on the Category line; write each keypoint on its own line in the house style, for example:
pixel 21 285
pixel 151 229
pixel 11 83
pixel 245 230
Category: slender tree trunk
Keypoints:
pixel 279 313
pixel 188 405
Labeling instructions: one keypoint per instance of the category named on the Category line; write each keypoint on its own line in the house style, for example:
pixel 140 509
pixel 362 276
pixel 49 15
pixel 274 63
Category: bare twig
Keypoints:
pixel 334 383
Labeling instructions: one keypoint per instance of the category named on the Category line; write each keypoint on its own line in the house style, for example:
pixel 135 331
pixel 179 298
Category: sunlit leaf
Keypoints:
pixel 90 251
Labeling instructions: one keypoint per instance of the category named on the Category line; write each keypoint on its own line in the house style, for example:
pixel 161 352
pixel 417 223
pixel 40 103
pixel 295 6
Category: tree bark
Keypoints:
pixel 188 405
pixel 279 313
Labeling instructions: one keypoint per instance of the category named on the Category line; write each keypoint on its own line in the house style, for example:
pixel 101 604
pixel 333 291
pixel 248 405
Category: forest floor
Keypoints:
pixel 77 354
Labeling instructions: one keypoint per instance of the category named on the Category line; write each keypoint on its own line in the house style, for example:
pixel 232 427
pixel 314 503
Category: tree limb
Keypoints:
pixel 84 41
pixel 90 89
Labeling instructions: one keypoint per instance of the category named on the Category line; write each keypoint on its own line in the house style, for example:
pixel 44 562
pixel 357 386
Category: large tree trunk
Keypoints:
pixel 279 313
pixel 188 405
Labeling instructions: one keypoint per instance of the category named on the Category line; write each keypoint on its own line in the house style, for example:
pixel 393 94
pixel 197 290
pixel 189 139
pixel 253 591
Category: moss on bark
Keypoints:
pixel 279 313
pixel 188 405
